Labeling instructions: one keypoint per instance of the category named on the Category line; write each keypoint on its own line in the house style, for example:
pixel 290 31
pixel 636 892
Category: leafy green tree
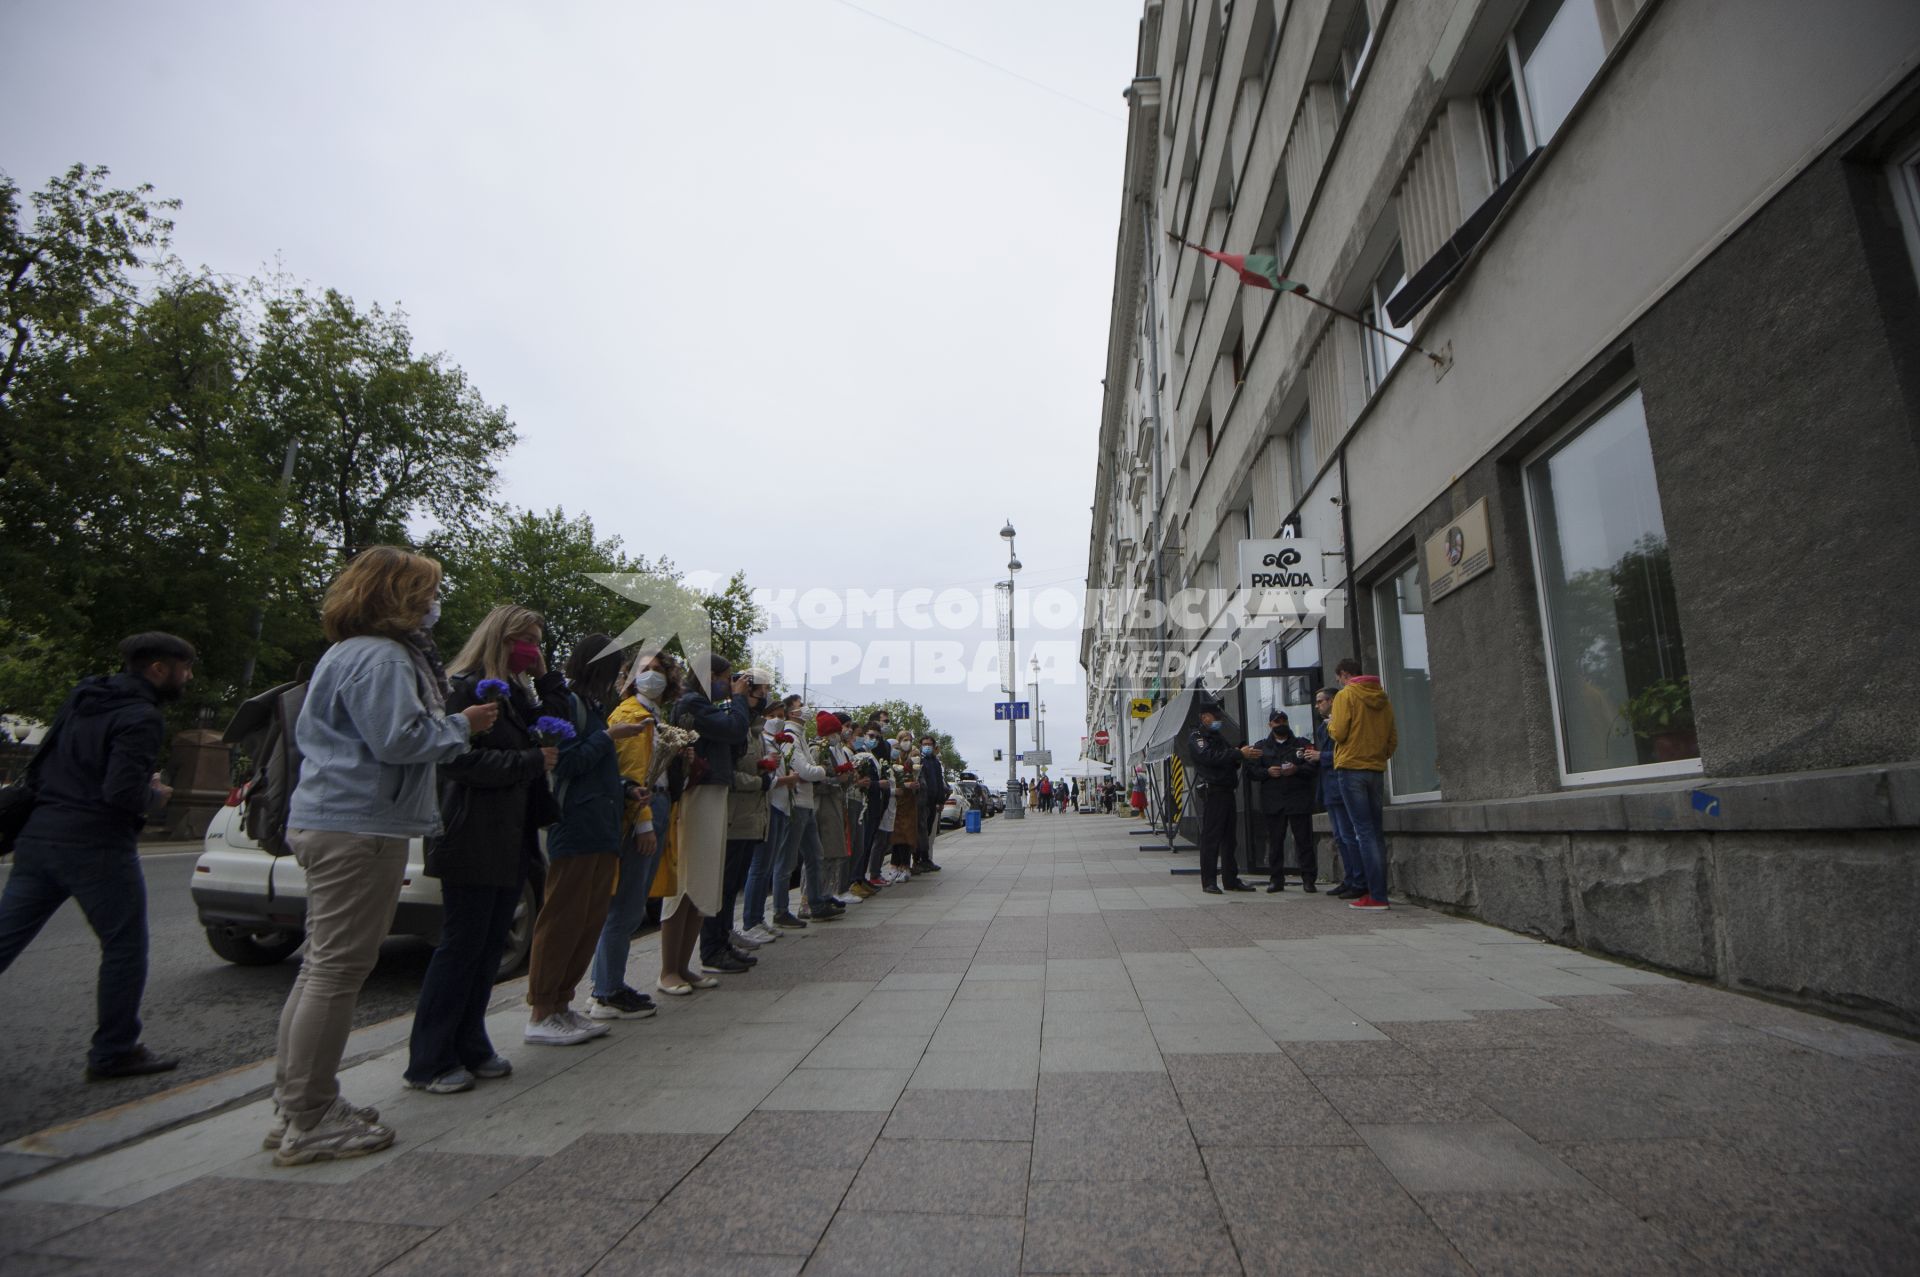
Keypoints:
pixel 908 715
pixel 736 619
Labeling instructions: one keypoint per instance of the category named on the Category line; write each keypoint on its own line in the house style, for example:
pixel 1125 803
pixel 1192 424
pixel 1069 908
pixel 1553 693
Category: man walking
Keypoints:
pixel 1285 778
pixel 1216 766
pixel 94 784
pixel 1363 740
pixel 933 796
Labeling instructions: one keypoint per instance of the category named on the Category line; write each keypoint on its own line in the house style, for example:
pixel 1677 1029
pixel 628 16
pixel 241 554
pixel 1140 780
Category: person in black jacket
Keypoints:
pixel 94 783
pixel 493 801
pixel 933 797
pixel 1216 766
pixel 1287 782
pixel 719 712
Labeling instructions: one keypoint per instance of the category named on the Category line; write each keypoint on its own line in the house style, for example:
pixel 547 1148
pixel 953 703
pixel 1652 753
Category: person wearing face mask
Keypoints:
pixel 644 827
pixel 93 784
pixel 800 837
pixel 830 806
pixel 1285 781
pixel 880 810
pixel 933 796
pixel 495 798
pixel 1216 765
pixel 717 710
pixel 905 837
pixel 721 947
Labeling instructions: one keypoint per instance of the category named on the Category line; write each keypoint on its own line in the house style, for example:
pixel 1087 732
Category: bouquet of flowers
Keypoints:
pixel 491 690
pixel 768 764
pixel 551 731
pixel 668 741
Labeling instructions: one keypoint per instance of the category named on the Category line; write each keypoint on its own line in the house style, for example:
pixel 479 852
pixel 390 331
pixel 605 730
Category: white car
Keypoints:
pixel 254 905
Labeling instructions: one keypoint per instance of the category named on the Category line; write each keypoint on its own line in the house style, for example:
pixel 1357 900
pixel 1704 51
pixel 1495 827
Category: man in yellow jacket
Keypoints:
pixel 1363 740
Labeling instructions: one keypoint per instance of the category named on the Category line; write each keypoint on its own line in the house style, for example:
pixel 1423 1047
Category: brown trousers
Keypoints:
pixel 579 889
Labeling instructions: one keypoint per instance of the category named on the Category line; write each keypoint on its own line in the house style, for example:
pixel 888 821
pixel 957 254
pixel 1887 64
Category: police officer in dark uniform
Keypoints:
pixel 1286 783
pixel 1216 765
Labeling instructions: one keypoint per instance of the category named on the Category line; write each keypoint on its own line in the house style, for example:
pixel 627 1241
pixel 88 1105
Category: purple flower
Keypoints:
pixel 552 731
pixel 490 689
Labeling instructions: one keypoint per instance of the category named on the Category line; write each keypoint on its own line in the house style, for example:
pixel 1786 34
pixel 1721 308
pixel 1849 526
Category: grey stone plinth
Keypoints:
pixel 1645 896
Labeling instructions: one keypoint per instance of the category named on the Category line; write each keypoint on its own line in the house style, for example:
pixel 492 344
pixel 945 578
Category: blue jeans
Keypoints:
pixel 112 893
pixel 800 846
pixel 625 912
pixel 1361 795
pixel 1351 874
pixel 753 910
pixel 450 1022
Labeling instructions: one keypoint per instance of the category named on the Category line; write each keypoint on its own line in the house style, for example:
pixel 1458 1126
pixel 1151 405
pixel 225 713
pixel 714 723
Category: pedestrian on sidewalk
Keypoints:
pixel 644 829
pixel 1216 766
pixel 497 799
pixel 714 706
pixel 722 948
pixel 766 857
pixel 877 770
pixel 905 834
pixel 800 832
pixel 1364 738
pixel 1046 794
pixel 583 846
pixel 1353 879
pixel 933 798
pixel 374 723
pixel 830 805
pixel 93 783
pixel 1285 780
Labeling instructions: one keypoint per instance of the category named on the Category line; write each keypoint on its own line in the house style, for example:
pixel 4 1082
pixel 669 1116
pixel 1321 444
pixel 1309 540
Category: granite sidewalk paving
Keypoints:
pixel 1054 1057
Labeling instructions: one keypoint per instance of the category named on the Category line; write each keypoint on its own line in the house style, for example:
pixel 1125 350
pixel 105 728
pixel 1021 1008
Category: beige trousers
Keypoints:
pixel 353 888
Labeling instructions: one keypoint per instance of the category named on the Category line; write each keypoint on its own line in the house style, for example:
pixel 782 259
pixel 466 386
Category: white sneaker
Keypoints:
pixel 848 899
pixel 555 1030
pixel 763 934
pixel 340 1133
pixel 594 1028
pixel 745 940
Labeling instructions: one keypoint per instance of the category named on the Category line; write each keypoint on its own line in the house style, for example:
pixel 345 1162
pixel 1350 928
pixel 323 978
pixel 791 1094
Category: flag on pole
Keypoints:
pixel 1261 270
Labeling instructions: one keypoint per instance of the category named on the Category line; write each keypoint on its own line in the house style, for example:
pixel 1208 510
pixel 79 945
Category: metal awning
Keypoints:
pixel 1164 727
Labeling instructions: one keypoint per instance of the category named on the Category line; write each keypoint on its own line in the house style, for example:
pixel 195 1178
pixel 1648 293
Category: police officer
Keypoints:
pixel 1216 766
pixel 1286 782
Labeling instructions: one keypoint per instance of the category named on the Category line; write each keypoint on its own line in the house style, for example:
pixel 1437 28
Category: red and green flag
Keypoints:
pixel 1260 270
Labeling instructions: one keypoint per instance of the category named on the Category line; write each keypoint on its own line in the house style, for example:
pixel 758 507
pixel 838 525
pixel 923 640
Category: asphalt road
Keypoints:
pixel 214 1015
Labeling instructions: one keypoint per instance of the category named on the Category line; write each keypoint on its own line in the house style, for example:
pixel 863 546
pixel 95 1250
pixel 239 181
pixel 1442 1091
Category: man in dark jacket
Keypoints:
pixel 94 783
pixel 1216 766
pixel 933 796
pixel 1287 783
pixel 1353 879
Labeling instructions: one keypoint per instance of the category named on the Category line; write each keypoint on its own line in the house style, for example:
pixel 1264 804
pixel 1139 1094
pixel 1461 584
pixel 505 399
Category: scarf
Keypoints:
pixel 426 664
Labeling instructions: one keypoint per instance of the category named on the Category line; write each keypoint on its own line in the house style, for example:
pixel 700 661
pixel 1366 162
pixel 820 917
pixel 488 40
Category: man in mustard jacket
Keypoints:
pixel 1363 740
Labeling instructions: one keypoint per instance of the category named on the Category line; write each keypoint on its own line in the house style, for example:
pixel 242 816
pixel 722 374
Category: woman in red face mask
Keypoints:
pixel 494 799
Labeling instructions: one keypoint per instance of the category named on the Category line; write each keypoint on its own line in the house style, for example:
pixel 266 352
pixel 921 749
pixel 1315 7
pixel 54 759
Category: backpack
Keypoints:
pixel 263 728
pixel 17 799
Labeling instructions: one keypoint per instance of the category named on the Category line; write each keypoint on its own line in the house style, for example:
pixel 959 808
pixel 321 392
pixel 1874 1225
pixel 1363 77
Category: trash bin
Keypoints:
pixel 973 822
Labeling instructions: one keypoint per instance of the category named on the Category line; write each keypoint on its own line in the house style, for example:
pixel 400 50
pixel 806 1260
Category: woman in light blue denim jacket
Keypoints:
pixel 370 733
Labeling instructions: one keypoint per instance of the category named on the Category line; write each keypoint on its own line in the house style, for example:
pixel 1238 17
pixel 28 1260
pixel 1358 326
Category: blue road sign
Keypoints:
pixel 1003 710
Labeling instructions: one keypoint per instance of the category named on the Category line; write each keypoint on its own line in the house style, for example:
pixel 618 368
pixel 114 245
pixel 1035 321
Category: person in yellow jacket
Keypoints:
pixel 1364 739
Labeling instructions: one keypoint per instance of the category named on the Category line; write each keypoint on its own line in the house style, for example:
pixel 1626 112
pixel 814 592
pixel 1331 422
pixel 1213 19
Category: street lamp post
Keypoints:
pixel 1015 808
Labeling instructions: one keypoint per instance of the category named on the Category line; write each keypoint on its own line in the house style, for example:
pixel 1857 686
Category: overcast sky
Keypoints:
pixel 876 269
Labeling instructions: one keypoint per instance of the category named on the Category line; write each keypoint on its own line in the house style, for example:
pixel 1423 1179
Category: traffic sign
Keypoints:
pixel 1140 707
pixel 1101 737
pixel 1003 710
pixel 1038 757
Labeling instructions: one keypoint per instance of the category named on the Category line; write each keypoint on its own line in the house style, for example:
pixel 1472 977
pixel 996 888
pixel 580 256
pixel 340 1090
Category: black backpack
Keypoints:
pixel 263 729
pixel 17 799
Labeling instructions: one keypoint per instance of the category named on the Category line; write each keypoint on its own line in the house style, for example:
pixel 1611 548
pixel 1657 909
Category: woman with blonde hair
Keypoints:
pixel 496 799
pixel 374 723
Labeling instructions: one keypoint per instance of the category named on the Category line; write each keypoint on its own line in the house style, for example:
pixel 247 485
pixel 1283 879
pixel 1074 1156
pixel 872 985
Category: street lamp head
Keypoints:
pixel 1007 531
pixel 1013 565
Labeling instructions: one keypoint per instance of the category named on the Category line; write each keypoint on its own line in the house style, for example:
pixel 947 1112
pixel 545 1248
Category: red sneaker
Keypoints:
pixel 1368 902
pixel 876 882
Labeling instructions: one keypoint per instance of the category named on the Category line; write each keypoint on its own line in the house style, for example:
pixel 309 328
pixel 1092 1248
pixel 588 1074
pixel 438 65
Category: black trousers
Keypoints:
pixel 1216 835
pixel 716 933
pixel 449 1023
pixel 1306 859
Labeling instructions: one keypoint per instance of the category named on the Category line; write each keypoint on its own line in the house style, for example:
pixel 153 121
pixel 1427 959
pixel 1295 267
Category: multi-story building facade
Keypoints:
pixel 1634 551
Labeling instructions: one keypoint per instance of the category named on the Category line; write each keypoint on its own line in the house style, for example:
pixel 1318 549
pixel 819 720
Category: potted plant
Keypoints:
pixel 1662 714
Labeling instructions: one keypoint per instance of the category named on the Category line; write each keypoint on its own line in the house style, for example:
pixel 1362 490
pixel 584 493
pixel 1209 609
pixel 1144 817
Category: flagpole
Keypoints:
pixel 1300 291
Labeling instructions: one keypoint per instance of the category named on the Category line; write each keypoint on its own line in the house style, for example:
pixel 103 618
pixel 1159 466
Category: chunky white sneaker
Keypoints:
pixel 555 1030
pixel 340 1133
pixel 593 1027
pixel 763 934
pixel 745 940
pixel 278 1131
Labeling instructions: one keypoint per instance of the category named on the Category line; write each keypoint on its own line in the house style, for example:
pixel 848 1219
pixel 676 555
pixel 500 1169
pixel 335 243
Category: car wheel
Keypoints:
pixel 520 935
pixel 256 949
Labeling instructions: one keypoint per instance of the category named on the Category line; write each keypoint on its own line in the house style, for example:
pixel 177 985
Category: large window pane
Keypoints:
pixel 1560 49
pixel 1404 671
pixel 1613 627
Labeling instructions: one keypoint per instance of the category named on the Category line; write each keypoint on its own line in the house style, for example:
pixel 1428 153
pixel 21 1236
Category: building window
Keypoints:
pixel 1906 193
pixel 1382 353
pixel 1206 435
pixel 1551 57
pixel 1252 525
pixel 1299 460
pixel 1401 614
pixel 1621 697
pixel 1239 358
pixel 1355 48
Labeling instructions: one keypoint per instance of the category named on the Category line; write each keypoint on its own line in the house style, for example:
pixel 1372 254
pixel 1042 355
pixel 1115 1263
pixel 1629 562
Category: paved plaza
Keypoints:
pixel 1054 1057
